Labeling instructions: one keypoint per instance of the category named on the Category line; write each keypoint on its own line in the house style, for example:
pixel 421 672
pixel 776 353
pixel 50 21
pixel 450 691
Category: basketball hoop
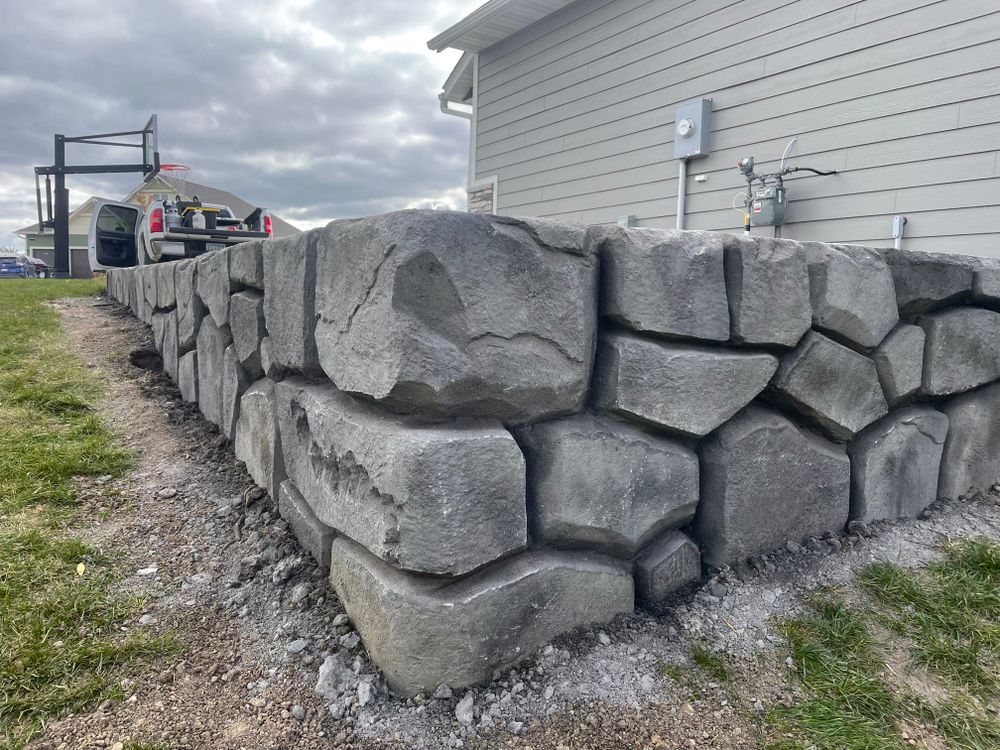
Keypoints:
pixel 176 175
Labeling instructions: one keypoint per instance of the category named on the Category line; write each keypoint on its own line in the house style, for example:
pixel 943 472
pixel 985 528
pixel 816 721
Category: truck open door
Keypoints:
pixel 112 240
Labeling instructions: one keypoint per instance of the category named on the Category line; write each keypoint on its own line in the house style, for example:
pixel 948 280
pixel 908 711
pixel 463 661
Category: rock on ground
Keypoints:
pixel 411 494
pixel 666 566
pixel 895 464
pixel 765 482
pixel 664 281
pixel 686 389
pixel 449 313
pixel 423 631
pixel 831 384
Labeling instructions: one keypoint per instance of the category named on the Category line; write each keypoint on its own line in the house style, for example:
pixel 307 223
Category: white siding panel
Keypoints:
pixel 576 114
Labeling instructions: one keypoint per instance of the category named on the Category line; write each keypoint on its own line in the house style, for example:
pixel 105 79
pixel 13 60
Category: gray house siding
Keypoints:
pixel 575 114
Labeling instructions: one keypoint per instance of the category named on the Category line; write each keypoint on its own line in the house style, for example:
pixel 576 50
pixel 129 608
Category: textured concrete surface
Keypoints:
pixel 665 567
pixel 664 281
pixel 423 632
pixel 971 460
pixel 900 362
pixel 962 350
pixel 257 442
pixel 212 283
pixel 458 314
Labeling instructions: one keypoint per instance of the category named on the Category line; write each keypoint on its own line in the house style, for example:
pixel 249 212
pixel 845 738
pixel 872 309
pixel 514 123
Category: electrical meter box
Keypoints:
pixel 768 207
pixel 692 129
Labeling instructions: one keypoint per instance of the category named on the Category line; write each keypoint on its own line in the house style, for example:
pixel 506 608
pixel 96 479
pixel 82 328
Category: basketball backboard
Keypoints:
pixel 150 146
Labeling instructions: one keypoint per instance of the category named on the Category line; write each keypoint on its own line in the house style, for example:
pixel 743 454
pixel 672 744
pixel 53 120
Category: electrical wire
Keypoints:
pixel 745 198
pixel 787 151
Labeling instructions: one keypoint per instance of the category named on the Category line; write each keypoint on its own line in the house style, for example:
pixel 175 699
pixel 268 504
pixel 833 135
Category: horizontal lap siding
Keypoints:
pixel 575 114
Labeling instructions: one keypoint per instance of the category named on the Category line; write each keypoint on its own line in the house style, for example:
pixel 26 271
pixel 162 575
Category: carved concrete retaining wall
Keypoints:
pixel 496 430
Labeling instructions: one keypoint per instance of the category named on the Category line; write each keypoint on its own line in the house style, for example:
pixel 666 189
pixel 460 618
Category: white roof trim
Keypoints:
pixel 459 84
pixel 494 22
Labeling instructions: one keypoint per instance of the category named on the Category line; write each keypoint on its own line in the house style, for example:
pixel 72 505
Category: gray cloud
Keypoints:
pixel 316 109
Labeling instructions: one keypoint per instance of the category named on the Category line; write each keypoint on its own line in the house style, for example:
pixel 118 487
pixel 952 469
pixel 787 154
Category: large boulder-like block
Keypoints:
pixel 423 632
pixel 147 278
pixel 290 301
pixel 962 352
pixel 169 350
pixel 246 320
pixel 928 281
pixel 900 363
pixel 604 485
pixel 852 293
pixel 314 536
pixel 187 377
pixel 246 264
pixel 441 499
pixel 212 344
pixel 235 382
pixel 664 281
pixel 831 384
pixel 895 464
pixel 665 567
pixel 257 442
pixel 213 284
pixel 190 309
pixel 971 460
pixel 689 390
pixel 768 283
pixel 448 313
pixel 166 296
pixel 765 482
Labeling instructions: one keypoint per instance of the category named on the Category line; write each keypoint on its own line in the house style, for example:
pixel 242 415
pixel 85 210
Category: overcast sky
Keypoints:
pixel 317 109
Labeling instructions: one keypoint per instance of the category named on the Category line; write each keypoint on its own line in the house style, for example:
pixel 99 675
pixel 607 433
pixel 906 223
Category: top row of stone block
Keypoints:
pixel 717 287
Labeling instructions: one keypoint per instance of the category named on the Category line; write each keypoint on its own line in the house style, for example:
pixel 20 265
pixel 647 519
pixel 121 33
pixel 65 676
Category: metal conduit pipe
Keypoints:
pixel 682 177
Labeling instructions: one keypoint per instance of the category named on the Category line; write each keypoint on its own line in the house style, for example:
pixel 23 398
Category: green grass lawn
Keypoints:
pixel 60 647
pixel 940 627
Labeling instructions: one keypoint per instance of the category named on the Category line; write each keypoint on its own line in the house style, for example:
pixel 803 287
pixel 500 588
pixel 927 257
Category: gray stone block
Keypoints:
pixel 423 632
pixel 671 563
pixel 246 264
pixel 686 389
pixel 599 484
pixel 971 460
pixel 986 281
pixel 169 350
pixel 257 442
pixel 190 309
pixel 664 281
pixel 928 281
pixel 147 278
pixel 766 482
pixel 246 320
pixel 270 367
pixel 962 351
pixel 212 283
pixel 450 313
pixel 187 376
pixel 410 494
pixel 895 464
pixel 831 384
pixel 900 363
pixel 235 382
pixel 290 300
pixel 158 324
pixel 768 283
pixel 212 343
pixel 166 295
pixel 135 301
pixel 852 292
pixel 314 536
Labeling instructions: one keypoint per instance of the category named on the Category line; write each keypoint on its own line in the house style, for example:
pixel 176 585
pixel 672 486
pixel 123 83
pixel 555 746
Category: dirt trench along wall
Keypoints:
pixel 495 430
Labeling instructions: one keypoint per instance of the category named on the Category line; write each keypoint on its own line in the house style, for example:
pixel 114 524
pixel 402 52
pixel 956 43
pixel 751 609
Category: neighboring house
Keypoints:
pixel 39 244
pixel 572 108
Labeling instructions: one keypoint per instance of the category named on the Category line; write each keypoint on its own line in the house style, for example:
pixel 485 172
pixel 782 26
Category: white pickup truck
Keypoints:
pixel 123 235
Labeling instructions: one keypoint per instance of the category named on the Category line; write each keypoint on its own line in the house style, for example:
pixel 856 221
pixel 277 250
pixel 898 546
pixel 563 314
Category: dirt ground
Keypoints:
pixel 221 570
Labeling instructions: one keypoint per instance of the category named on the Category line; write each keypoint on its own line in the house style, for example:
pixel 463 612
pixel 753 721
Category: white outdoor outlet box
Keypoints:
pixel 692 129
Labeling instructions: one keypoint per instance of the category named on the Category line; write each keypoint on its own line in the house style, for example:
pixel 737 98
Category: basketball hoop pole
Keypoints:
pixel 58 219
